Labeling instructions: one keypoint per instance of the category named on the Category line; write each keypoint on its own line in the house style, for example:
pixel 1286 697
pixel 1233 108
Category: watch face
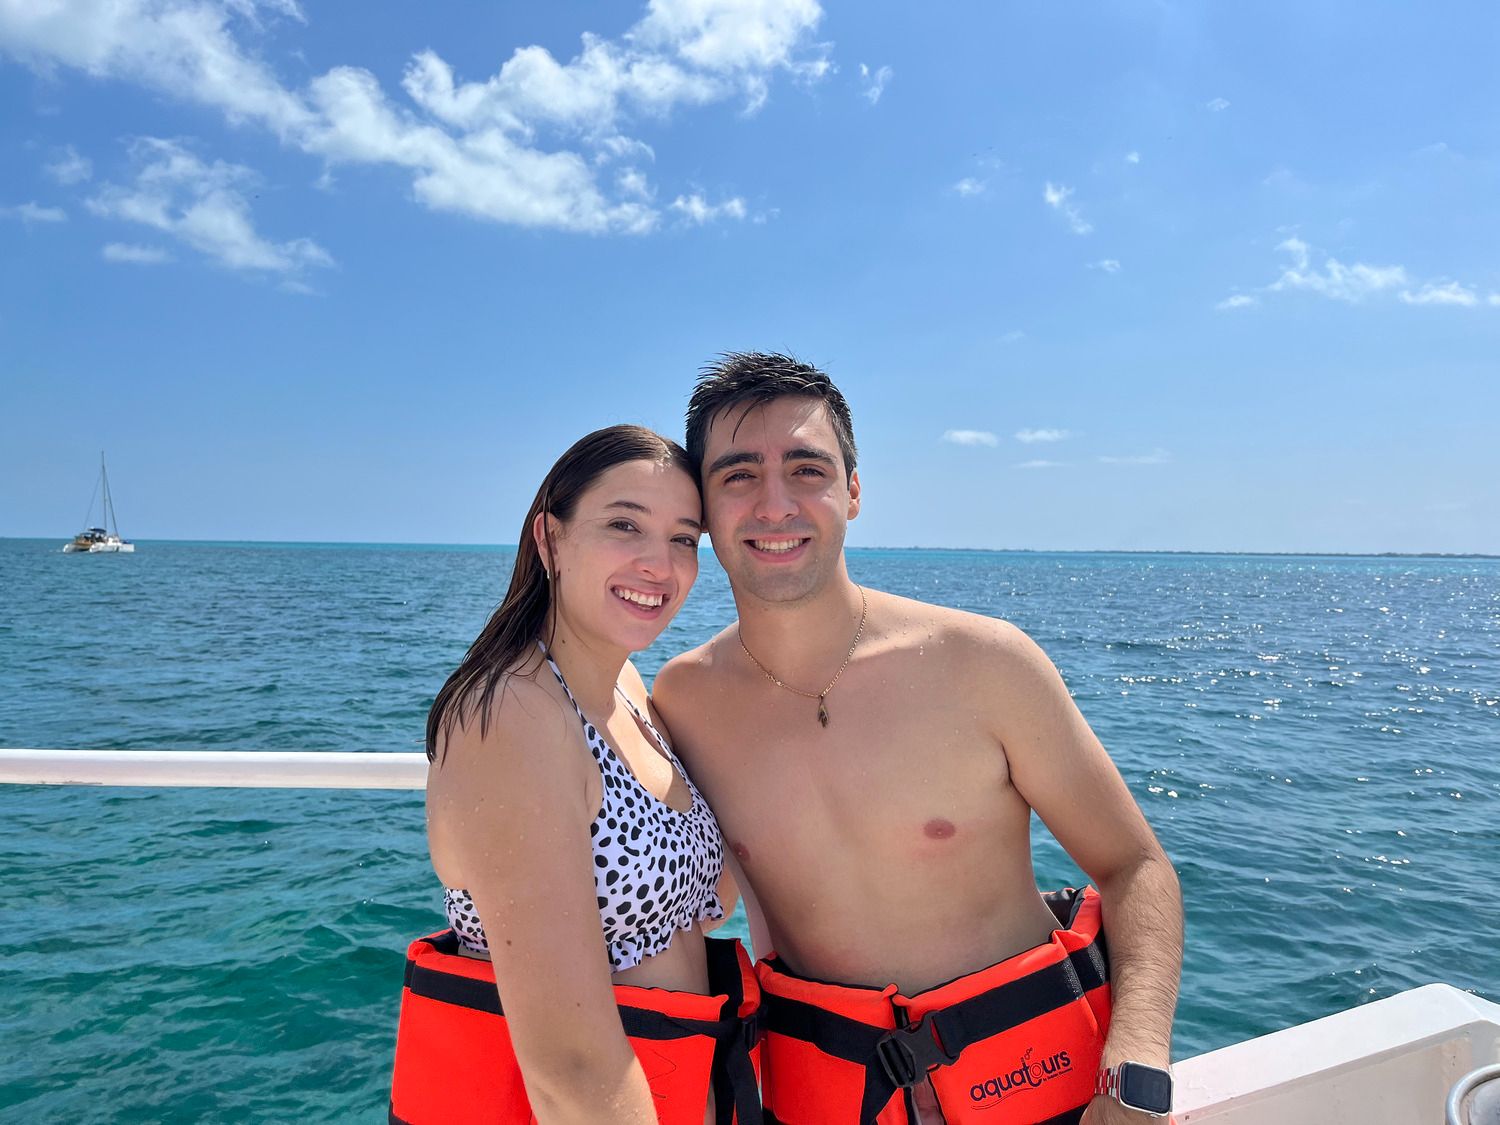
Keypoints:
pixel 1145 1088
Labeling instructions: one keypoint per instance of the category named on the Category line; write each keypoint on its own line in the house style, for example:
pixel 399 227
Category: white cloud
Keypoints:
pixel 1056 196
pixel 1355 283
pixel 133 254
pixel 699 211
pixel 1041 464
pixel 1030 437
pixel 1132 158
pixel 34 212
pixel 523 146
pixel 874 82
pixel 970 437
pixel 69 167
pixel 1108 265
pixel 1493 299
pixel 969 186
pixel 732 36
pixel 1335 280
pixel 1218 105
pixel 633 182
pixel 1155 457
pixel 184 47
pixel 1444 293
pixel 1015 335
pixel 203 206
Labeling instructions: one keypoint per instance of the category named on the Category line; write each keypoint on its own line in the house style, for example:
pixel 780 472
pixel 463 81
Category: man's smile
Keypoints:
pixel 777 546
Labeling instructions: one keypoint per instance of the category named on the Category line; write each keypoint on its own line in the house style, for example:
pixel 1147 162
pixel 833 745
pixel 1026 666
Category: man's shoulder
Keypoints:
pixel 970 634
pixel 695 667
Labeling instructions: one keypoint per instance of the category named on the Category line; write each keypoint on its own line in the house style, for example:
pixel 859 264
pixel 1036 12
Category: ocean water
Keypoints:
pixel 1315 740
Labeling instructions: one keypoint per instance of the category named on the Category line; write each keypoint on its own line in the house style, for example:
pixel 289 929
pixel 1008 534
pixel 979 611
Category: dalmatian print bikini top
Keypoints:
pixel 656 870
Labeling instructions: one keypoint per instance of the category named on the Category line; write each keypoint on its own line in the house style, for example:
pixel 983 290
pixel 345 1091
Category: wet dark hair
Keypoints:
pixel 753 379
pixel 508 642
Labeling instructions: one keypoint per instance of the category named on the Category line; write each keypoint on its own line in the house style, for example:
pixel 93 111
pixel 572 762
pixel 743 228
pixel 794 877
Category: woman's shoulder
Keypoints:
pixel 489 726
pixel 631 681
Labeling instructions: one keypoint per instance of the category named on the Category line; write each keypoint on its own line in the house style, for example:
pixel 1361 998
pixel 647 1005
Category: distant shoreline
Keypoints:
pixel 311 543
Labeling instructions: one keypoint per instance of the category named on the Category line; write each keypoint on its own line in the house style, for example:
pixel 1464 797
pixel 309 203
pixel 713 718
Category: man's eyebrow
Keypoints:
pixel 735 457
pixel 807 453
pixel 635 506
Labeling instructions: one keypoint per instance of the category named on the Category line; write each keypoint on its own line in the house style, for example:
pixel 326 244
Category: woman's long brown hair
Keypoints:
pixel 508 642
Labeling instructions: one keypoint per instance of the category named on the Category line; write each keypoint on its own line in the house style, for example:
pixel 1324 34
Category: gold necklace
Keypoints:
pixel 820 696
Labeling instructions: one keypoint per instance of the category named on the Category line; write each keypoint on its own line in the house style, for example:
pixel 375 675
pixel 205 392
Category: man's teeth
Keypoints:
pixel 776 544
pixel 650 601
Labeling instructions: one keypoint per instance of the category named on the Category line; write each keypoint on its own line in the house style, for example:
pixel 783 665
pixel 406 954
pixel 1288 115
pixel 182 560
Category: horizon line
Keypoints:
pixel 908 547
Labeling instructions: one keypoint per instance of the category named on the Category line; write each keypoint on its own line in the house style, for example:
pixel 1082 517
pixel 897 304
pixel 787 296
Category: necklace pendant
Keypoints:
pixel 822 711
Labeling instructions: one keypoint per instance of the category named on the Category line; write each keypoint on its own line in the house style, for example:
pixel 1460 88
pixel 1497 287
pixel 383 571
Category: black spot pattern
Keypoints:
pixel 656 870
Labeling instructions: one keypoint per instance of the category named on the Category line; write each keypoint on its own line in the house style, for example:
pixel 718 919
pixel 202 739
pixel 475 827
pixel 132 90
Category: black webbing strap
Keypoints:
pixel 736 1092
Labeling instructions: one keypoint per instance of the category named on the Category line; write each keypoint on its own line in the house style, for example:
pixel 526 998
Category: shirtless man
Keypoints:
pixel 874 763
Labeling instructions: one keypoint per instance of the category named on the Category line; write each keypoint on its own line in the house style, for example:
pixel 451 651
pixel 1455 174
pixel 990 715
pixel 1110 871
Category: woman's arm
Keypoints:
pixel 510 810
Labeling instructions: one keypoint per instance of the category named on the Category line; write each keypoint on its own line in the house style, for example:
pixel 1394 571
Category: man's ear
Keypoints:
pixel 853 494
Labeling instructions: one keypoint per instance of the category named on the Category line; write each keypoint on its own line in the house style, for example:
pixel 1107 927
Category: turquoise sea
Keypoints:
pixel 1316 740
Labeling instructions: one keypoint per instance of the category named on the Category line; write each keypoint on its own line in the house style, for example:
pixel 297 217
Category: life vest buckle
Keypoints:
pixel 908 1053
pixel 750 1029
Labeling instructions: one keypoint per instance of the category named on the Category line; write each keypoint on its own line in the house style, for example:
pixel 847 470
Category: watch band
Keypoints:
pixel 1108 1082
pixel 1111 1083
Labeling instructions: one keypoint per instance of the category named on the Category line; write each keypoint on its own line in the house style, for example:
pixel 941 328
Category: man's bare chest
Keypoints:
pixel 883 763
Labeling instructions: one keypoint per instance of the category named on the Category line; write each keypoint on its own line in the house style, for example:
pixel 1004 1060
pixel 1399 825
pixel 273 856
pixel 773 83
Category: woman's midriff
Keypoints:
pixel 681 967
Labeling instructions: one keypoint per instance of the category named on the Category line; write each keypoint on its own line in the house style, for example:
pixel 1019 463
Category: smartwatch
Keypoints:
pixel 1147 1089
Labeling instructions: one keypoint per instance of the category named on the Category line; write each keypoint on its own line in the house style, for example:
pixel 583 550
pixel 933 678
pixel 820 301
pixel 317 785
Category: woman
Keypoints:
pixel 577 855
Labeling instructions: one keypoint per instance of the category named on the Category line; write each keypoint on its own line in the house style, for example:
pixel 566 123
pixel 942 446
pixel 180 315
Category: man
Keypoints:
pixel 874 763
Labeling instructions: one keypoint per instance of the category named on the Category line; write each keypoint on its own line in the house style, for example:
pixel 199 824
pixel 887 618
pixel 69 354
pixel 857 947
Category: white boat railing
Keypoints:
pixel 238 769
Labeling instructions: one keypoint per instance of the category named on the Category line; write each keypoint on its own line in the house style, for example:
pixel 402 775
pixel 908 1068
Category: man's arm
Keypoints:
pixel 1058 765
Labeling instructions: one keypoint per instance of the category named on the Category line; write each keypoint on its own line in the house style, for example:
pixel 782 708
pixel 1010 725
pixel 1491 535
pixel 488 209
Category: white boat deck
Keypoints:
pixel 1390 1062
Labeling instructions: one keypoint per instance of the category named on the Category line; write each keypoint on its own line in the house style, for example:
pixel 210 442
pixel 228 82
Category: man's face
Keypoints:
pixel 776 498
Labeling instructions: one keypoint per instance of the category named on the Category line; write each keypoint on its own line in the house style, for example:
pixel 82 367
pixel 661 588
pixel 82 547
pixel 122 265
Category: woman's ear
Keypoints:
pixel 539 535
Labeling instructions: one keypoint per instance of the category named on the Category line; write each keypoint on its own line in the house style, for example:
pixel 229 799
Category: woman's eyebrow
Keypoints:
pixel 636 506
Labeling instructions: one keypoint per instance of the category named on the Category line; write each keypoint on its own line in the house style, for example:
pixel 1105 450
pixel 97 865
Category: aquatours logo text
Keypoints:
pixel 1028 1076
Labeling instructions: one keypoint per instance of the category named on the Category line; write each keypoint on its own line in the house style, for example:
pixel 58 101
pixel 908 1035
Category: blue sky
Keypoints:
pixel 1130 276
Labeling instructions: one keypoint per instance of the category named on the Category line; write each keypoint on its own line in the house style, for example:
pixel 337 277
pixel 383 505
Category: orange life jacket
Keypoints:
pixel 454 1060
pixel 1017 1043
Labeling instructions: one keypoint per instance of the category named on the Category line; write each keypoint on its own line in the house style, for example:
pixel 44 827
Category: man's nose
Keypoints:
pixel 775 504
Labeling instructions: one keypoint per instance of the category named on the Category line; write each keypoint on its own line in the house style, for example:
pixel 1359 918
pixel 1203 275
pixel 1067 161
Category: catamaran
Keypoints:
pixel 100 540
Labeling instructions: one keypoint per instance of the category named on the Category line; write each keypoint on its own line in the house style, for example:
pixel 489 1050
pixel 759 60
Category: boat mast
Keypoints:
pixel 109 505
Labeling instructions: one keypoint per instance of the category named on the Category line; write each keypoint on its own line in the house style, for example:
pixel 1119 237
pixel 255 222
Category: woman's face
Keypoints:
pixel 628 556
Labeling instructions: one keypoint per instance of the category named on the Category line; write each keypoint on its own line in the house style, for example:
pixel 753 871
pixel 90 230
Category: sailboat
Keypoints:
pixel 100 540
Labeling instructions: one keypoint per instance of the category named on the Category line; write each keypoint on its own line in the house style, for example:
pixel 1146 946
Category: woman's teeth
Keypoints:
pixel 650 601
